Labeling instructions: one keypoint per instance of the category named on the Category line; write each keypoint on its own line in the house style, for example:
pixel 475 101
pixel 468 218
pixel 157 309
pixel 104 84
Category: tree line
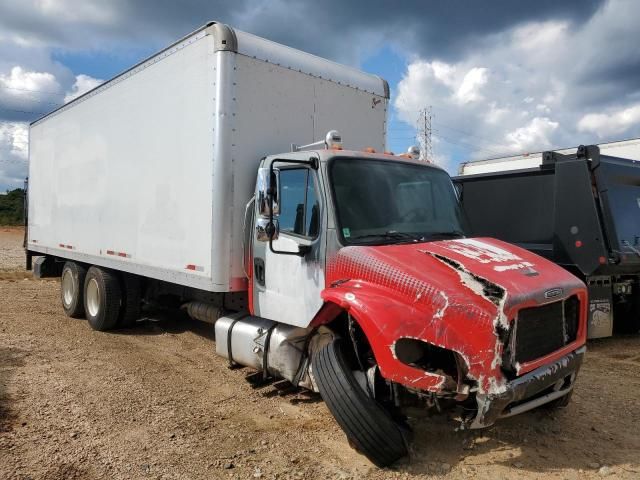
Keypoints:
pixel 12 207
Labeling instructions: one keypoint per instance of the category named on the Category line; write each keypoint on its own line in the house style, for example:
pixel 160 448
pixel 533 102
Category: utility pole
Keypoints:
pixel 424 134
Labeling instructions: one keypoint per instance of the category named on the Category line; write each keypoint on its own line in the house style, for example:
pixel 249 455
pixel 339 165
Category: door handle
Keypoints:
pixel 258 271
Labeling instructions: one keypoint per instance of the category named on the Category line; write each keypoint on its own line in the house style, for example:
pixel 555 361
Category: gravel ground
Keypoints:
pixel 156 402
pixel 11 252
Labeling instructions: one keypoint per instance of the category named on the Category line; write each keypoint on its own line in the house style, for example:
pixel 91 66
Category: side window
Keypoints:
pixel 299 207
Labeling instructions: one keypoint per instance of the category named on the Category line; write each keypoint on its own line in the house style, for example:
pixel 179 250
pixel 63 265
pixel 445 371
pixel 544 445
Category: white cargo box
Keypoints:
pixel 150 172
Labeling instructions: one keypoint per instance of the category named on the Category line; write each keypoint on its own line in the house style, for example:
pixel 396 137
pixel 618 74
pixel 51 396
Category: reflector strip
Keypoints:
pixel 196 268
pixel 118 254
pixel 68 247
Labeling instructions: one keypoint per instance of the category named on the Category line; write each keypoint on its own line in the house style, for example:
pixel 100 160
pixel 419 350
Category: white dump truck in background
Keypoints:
pixel 629 149
pixel 178 182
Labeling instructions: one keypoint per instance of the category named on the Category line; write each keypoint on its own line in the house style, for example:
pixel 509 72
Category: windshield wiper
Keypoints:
pixel 391 235
pixel 451 233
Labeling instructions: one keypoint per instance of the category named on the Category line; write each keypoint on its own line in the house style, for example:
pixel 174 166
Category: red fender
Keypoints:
pixel 377 315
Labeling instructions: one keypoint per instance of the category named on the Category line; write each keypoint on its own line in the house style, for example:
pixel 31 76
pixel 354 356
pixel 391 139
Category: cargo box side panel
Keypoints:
pixel 125 173
pixel 277 106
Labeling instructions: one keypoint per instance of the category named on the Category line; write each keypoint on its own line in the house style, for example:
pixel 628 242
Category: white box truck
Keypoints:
pixel 179 181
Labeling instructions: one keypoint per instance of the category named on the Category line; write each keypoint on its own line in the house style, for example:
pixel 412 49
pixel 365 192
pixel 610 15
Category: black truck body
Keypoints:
pixel 582 211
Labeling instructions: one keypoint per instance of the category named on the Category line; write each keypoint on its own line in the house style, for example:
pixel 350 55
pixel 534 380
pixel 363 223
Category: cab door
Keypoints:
pixel 287 284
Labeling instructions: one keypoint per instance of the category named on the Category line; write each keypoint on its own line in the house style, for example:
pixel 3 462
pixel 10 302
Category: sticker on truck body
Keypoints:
pixel 481 251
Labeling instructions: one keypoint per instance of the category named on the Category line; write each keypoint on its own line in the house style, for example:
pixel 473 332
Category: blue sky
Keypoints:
pixel 502 77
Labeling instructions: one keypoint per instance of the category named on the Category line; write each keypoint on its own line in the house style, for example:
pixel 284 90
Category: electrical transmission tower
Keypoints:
pixel 424 134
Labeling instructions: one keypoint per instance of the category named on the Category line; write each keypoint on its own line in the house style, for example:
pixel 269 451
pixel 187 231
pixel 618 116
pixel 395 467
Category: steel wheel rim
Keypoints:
pixel 93 297
pixel 68 288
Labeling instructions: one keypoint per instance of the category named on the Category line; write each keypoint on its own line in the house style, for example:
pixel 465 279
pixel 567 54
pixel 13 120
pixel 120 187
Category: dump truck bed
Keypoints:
pixel 579 211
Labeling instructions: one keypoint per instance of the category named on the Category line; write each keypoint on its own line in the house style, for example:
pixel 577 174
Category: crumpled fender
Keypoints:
pixel 460 295
pixel 386 319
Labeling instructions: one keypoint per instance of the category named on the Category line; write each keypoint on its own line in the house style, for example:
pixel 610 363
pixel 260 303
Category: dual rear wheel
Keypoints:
pixel 107 300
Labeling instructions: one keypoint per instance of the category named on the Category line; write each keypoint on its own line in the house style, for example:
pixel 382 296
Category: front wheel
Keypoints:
pixel 369 426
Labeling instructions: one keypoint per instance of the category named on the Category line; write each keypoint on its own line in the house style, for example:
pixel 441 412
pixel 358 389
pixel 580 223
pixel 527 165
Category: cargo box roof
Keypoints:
pixel 229 39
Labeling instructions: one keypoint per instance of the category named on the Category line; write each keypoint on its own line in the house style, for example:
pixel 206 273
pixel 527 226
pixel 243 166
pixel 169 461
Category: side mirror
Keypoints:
pixel 267 230
pixel 268 192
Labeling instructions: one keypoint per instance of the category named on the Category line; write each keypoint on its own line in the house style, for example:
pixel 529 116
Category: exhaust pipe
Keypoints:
pixel 205 312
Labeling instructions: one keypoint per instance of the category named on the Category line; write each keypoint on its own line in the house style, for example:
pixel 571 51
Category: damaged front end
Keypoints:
pixel 541 386
pixel 473 323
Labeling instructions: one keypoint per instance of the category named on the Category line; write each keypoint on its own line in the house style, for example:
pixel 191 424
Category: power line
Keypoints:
pixel 436 124
pixel 31 90
pixel 468 146
pixel 459 142
pixel 22 111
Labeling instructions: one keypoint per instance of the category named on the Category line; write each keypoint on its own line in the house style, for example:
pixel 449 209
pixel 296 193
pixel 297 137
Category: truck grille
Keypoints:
pixel 542 330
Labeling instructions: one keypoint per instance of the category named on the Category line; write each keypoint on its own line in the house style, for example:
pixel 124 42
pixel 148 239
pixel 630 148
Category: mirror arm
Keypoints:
pixel 303 250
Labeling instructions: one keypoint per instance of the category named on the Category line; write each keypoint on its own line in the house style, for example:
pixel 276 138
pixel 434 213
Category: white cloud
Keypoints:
pixel 538 37
pixel 14 142
pixel 20 80
pixel 533 136
pixel 472 83
pixel 613 123
pixel 29 93
pixel 445 73
pixel 536 86
pixel 541 107
pixel 82 85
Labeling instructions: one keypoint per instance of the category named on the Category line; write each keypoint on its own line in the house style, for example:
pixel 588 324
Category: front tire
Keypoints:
pixel 102 298
pixel 72 289
pixel 369 427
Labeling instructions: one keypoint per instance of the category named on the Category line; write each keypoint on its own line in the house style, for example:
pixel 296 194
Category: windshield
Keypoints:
pixel 380 202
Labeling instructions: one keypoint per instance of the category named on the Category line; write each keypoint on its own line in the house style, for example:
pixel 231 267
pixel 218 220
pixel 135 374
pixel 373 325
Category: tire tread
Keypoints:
pixel 365 422
pixel 110 298
pixel 79 273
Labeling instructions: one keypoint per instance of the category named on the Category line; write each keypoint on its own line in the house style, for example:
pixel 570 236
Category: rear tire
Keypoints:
pixel 72 289
pixel 130 310
pixel 102 298
pixel 369 427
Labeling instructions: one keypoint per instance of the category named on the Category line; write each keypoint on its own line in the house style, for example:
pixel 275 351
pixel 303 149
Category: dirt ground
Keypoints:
pixel 11 252
pixel 156 402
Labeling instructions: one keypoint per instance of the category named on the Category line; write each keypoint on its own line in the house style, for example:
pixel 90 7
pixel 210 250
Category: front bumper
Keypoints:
pixel 528 391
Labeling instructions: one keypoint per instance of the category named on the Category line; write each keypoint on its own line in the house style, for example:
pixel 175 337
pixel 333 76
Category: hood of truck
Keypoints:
pixel 461 295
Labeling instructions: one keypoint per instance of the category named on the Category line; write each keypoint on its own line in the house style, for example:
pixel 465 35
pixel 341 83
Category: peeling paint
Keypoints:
pixel 514 266
pixel 480 251
pixel 441 311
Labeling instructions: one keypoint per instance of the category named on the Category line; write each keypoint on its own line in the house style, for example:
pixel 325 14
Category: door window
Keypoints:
pixel 299 207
